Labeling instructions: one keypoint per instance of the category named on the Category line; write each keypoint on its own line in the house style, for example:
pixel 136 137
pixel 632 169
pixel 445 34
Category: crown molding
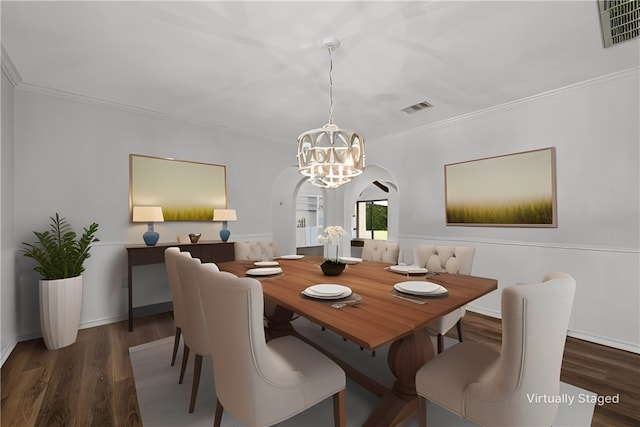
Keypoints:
pixel 73 96
pixel 628 74
pixel 9 69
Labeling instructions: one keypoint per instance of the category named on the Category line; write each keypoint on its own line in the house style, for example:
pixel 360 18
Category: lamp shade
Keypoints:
pixel 147 214
pixel 224 215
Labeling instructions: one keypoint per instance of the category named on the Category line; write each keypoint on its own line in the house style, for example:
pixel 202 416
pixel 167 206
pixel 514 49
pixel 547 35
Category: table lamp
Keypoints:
pixel 224 215
pixel 148 214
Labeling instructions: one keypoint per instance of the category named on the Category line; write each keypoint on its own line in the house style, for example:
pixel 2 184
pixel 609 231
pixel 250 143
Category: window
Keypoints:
pixel 371 219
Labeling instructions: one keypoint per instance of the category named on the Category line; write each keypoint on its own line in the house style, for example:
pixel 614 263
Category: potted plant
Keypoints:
pixel 331 237
pixel 60 255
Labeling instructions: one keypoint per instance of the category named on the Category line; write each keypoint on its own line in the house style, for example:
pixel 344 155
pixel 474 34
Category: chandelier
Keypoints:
pixel 330 156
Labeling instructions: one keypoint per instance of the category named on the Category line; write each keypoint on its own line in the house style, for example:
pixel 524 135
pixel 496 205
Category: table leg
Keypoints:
pixel 405 357
pixel 278 321
pixel 130 290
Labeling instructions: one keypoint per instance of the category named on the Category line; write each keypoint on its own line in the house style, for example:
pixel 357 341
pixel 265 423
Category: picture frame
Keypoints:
pixel 512 190
pixel 186 190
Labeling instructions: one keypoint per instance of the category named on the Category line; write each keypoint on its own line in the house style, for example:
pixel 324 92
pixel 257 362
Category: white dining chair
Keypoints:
pixel 196 337
pixel 261 383
pixel 446 259
pixel 258 250
pixel 170 256
pixel 493 388
pixel 380 250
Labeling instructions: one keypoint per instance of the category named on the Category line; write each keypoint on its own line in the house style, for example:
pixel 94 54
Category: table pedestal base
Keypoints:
pixel 406 355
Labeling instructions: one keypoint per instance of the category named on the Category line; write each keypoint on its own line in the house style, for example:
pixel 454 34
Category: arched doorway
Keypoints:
pixel 338 204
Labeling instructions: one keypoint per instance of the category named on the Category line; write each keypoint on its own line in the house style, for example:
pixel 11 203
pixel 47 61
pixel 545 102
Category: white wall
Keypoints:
pixel 71 157
pixel 8 315
pixel 594 127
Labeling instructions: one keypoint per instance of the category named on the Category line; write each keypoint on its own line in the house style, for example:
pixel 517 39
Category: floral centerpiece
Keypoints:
pixel 332 236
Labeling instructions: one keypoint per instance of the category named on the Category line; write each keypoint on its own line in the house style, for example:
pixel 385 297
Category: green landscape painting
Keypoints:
pixel 515 190
pixel 186 190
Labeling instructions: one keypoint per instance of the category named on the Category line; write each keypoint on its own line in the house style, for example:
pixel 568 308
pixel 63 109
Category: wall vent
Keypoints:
pixel 619 20
pixel 416 107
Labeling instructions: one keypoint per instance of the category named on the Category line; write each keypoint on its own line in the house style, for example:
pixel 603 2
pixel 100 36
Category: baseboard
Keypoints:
pixel 6 351
pixel 608 342
pixel 485 312
pixel 597 339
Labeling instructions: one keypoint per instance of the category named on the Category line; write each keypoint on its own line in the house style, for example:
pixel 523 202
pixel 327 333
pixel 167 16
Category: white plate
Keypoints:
pixel 266 263
pixel 419 288
pixel 328 289
pixel 349 260
pixel 408 269
pixel 310 293
pixel 291 256
pixel 267 271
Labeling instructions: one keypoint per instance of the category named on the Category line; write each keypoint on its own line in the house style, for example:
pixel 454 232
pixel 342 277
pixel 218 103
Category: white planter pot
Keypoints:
pixel 60 304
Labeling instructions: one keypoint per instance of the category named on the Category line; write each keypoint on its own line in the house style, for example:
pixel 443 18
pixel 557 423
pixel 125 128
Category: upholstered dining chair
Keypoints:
pixel 380 250
pixel 261 383
pixel 258 250
pixel 170 256
pixel 493 388
pixel 446 259
pixel 196 337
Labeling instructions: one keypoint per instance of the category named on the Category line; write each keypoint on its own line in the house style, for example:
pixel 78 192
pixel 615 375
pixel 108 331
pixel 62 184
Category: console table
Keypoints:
pixel 208 251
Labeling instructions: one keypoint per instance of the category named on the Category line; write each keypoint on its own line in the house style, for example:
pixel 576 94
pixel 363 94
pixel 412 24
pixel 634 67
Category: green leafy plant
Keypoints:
pixel 58 251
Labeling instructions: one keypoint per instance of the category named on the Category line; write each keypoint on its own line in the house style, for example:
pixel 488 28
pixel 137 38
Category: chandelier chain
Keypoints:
pixel 330 86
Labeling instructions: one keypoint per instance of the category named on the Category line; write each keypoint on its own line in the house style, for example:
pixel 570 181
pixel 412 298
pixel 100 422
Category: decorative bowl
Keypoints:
pixel 194 237
pixel 332 268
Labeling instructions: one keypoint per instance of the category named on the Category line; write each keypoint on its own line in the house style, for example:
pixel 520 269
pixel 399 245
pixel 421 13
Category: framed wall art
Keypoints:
pixel 514 190
pixel 186 190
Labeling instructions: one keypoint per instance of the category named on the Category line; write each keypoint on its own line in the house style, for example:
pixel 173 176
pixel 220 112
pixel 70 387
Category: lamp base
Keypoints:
pixel 224 234
pixel 151 237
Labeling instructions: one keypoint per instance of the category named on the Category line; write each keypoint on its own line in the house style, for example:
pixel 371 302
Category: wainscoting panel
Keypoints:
pixel 606 306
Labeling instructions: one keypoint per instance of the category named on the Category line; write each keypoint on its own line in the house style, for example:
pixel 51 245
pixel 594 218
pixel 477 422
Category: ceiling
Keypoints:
pixel 258 67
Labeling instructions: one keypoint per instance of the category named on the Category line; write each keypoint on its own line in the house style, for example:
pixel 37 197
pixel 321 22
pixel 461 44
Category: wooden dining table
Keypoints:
pixel 379 319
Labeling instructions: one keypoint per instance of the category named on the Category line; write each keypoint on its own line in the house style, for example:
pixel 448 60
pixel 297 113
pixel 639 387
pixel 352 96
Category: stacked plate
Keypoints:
pixel 327 291
pixel 349 260
pixel 420 288
pixel 266 263
pixel 290 256
pixel 264 271
pixel 408 269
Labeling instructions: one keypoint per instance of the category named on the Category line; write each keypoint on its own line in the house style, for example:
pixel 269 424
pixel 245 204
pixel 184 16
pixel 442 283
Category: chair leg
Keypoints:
pixel 440 343
pixel 459 327
pixel 185 359
pixel 218 417
pixel 339 411
pixel 422 411
pixel 176 344
pixel 197 368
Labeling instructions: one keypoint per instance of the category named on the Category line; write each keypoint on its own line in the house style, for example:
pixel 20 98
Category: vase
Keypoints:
pixel 332 268
pixel 60 306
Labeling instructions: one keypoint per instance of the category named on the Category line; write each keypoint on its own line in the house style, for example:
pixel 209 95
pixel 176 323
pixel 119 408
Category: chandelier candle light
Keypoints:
pixel 330 156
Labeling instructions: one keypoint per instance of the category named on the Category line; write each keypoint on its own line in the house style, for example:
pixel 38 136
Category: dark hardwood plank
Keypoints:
pixel 96 408
pixel 603 370
pixel 43 387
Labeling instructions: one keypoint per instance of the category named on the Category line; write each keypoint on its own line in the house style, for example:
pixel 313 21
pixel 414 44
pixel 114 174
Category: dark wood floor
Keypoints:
pixel 91 383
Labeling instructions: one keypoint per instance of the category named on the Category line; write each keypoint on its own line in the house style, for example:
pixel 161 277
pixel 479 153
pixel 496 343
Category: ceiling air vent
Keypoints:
pixel 619 20
pixel 416 107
